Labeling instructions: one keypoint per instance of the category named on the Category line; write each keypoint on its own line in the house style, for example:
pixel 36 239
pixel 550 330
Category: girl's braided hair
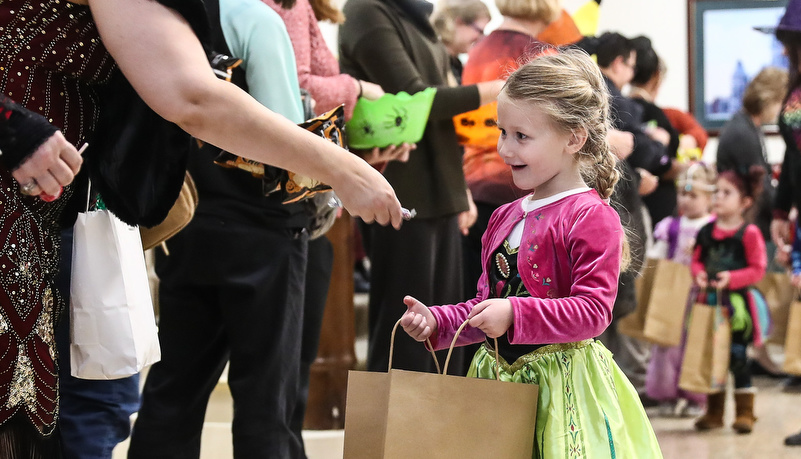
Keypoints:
pixel 570 89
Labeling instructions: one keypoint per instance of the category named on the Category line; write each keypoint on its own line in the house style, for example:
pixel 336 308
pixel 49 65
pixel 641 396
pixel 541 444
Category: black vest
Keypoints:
pixel 721 255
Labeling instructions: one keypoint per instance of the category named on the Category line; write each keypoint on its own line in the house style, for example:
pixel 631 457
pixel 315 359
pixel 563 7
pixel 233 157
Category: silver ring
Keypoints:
pixel 29 187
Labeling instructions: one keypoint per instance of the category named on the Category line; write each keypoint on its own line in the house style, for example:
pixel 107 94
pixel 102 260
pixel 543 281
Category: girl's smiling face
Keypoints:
pixel 541 155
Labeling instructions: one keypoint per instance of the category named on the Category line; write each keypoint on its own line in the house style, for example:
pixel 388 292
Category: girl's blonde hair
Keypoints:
pixel 448 11
pixel 570 89
pixel 532 10
pixel 698 177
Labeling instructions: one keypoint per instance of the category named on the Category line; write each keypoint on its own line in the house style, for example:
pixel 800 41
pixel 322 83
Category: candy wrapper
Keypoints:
pixel 293 187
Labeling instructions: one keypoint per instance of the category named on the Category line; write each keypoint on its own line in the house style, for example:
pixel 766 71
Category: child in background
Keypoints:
pixel 729 257
pixel 674 240
pixel 551 261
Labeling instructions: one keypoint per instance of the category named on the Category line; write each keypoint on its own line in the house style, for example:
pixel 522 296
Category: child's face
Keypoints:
pixel 539 154
pixel 729 202
pixel 694 203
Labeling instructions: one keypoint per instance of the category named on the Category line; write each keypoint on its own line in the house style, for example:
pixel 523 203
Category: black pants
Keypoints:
pixel 738 363
pixel 228 291
pixel 318 278
pixel 422 259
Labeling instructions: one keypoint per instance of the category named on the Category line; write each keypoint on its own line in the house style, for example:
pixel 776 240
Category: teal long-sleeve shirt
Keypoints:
pixel 256 34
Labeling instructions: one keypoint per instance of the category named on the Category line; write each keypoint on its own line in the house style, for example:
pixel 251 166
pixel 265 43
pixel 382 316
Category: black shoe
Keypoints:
pixel 792 384
pixel 758 370
pixel 361 268
pixel 793 440
pixel 648 402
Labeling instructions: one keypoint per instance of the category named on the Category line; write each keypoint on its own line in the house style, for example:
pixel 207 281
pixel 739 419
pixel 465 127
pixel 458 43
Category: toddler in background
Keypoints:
pixel 729 258
pixel 550 264
pixel 674 239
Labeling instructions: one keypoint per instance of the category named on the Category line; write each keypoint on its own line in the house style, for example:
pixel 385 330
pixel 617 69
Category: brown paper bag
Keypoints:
pixel 405 414
pixel 778 293
pixel 705 367
pixel 634 324
pixel 792 344
pixel 667 303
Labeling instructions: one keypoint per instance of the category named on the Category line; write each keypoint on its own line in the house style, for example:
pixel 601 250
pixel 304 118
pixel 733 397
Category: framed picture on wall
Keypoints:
pixel 730 42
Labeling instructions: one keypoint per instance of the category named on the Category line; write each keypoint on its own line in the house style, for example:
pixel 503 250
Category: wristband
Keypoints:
pixel 21 132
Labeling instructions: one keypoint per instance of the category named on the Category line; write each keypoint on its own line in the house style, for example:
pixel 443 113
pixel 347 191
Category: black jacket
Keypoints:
pixel 788 192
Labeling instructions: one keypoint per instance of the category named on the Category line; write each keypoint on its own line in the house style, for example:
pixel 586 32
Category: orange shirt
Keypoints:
pixel 562 31
pixel 495 57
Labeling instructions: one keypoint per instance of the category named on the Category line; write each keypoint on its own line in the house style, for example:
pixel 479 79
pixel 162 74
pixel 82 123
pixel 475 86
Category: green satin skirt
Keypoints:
pixel 587 408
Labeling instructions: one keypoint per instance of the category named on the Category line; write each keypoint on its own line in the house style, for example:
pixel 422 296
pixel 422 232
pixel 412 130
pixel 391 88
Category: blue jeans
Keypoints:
pixel 94 415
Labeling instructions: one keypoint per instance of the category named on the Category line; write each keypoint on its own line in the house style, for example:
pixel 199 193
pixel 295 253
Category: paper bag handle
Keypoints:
pixel 453 344
pixel 428 344
pixel 88 193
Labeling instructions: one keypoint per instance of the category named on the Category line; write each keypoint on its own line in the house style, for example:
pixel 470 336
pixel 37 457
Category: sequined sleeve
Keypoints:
pixel 21 132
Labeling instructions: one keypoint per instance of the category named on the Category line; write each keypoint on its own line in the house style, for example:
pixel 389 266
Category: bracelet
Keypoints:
pixel 360 88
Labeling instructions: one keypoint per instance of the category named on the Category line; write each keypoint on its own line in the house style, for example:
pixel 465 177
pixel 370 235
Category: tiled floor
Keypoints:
pixel 778 413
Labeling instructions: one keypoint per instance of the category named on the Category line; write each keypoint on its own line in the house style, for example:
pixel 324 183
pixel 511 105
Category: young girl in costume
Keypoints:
pixel 675 240
pixel 550 267
pixel 729 257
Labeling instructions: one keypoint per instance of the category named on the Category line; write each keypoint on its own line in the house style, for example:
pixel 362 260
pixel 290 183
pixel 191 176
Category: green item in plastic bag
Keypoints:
pixel 390 120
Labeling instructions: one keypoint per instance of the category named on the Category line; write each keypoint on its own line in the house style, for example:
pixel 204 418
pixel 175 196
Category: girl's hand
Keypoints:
pixel 796 280
pixel 493 317
pixel 702 280
pixel 724 277
pixel 418 321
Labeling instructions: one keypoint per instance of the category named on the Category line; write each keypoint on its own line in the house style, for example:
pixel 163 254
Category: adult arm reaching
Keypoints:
pixel 179 85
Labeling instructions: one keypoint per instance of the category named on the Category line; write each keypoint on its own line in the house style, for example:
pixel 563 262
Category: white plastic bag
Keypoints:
pixel 113 330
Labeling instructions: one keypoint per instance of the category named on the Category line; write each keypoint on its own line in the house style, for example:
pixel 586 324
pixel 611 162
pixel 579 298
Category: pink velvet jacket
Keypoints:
pixel 569 260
